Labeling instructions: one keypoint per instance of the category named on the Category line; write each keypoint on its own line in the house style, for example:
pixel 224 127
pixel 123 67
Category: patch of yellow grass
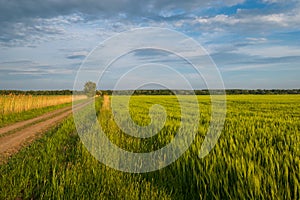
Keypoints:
pixel 19 103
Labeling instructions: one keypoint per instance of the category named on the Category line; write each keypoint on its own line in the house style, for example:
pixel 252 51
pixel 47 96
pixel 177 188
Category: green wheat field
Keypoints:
pixel 256 157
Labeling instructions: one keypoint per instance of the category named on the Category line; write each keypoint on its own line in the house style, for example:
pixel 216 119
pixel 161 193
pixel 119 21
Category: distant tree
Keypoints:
pixel 89 89
pixel 98 93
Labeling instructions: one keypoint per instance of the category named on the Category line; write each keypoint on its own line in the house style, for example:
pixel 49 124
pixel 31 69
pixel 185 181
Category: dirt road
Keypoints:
pixel 13 137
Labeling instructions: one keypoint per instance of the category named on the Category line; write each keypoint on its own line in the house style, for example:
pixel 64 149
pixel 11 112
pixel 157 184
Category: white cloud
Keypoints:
pixel 270 51
pixel 255 21
pixel 223 19
pixel 256 40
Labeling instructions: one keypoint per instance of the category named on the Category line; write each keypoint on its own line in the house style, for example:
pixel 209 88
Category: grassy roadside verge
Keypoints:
pixel 16 117
pixel 6 120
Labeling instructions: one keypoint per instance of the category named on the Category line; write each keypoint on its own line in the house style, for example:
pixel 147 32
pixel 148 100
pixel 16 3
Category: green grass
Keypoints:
pixel 58 166
pixel 256 157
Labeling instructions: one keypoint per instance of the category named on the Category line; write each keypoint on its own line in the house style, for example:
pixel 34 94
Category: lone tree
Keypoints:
pixel 90 89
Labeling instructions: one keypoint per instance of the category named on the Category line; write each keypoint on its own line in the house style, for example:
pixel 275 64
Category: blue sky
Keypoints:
pixel 255 44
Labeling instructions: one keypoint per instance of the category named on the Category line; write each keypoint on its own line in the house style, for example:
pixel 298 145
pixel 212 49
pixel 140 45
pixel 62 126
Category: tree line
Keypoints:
pixel 200 92
pixel 39 92
pixel 147 92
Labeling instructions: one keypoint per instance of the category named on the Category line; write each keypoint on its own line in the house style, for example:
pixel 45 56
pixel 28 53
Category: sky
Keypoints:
pixel 253 43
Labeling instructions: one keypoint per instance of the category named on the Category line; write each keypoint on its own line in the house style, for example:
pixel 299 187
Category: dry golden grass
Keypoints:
pixel 19 103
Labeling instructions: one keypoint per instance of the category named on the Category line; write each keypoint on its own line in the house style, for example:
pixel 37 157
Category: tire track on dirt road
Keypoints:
pixel 21 124
pixel 12 143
